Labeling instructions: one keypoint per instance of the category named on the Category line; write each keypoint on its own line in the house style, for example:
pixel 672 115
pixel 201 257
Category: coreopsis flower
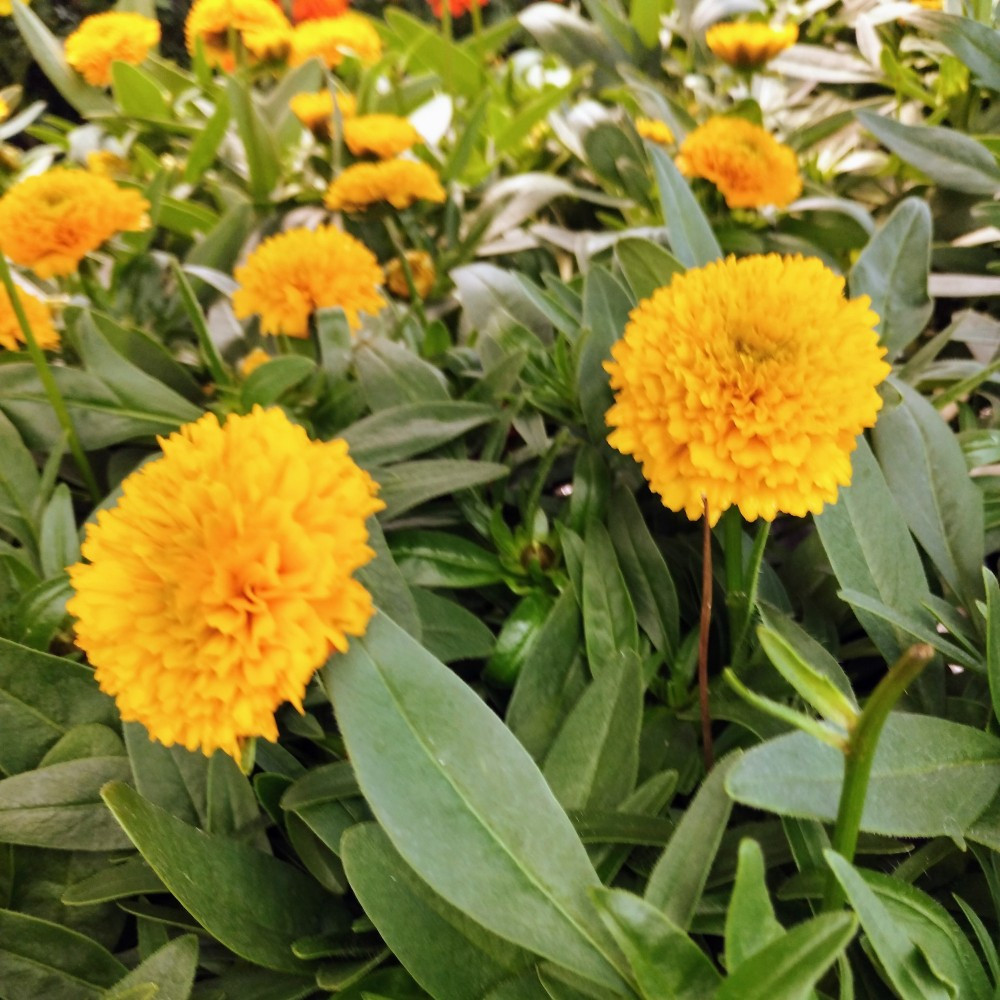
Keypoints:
pixel 398 182
pixel 50 222
pixel 749 45
pixel 261 26
pixel 384 136
pixel 115 36
pixel 746 382
pixel 257 357
pixel 223 578
pixel 746 163
pixel 331 38
pixel 457 7
pixel 291 275
pixel 421 270
pixel 654 131
pixel 39 318
pixel 315 111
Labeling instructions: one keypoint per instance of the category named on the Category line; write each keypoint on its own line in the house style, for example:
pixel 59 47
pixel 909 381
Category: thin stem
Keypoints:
pixel 732 549
pixel 860 754
pixel 477 18
pixel 751 583
pixel 209 353
pixel 706 621
pixel 416 302
pixel 48 381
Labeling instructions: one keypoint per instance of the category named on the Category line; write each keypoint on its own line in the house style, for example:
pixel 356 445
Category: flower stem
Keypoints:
pixel 860 754
pixel 48 381
pixel 703 627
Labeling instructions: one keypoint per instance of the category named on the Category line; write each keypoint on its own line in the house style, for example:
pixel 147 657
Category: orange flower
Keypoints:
pixel 399 182
pixel 39 318
pixel 331 38
pixel 310 10
pixel 262 27
pixel 112 37
pixel 457 7
pixel 749 46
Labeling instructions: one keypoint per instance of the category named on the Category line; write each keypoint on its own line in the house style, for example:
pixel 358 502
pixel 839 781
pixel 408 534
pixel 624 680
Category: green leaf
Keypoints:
pixel 609 621
pixel 925 468
pixel 903 962
pixel 550 678
pixel 43 961
pixel 400 432
pixel 89 740
pixel 606 306
pixel 976 45
pixel 220 248
pixel 171 969
pixel 948 157
pixel 993 638
pixel 209 876
pixel 258 139
pixel 791 966
pixel 508 856
pixel 441 559
pixel 41 698
pixel 930 777
pixel 449 631
pixel 409 484
pixel 892 271
pixel 451 956
pixel 203 150
pixel 646 265
pixel 119 881
pixel 19 487
pixel 137 93
pixel 172 778
pixel 60 806
pixel 427 49
pixel 871 550
pixel 645 16
pixel 750 921
pixel 48 53
pixel 59 546
pixel 594 760
pixel 268 383
pixel 390 374
pixel 691 237
pixel 387 585
pixel 664 960
pixel 678 880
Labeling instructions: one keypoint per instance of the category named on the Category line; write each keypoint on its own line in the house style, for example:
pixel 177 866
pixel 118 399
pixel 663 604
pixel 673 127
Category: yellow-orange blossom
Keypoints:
pixel 747 382
pixel 223 578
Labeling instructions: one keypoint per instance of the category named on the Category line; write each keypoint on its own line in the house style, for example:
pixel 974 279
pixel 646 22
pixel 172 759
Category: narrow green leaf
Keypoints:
pixel 993 638
pixel 59 545
pixel 594 760
pixel 204 148
pixel 387 584
pixel 449 631
pixel 172 778
pixel 691 237
pixel 406 485
pixel 678 880
pixel 258 140
pixel 209 874
pixel 609 621
pixel 267 384
pixel 171 970
pixel 948 157
pixel 508 856
pixel 19 487
pixel 750 921
pixel 442 559
pixel 137 93
pixel 451 956
pixel 892 271
pixel 792 965
pixel 975 44
pixel 646 265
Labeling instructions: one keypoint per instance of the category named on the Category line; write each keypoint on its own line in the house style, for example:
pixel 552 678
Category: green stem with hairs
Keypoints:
pixel 48 381
pixel 859 755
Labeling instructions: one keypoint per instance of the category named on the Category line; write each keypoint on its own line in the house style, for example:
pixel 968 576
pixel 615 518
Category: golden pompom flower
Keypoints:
pixel 747 382
pixel 384 136
pixel 746 163
pixel 315 111
pixel 252 361
pixel 398 182
pixel 654 131
pixel 261 25
pixel 116 36
pixel 39 317
pixel 50 222
pixel 223 578
pixel 421 270
pixel 331 38
pixel 291 275
pixel 749 45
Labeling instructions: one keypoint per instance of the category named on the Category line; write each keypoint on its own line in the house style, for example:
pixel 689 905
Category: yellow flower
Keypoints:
pixel 749 46
pixel 51 221
pixel 315 111
pixel 748 165
pixel 105 38
pixel 399 182
pixel 929 4
pixel 292 274
pixel 654 131
pixel 257 357
pixel 331 38
pixel 260 24
pixel 4 110
pixel 384 136
pixel 421 270
pixel 223 578
pixel 39 318
pixel 747 382
pixel 7 7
